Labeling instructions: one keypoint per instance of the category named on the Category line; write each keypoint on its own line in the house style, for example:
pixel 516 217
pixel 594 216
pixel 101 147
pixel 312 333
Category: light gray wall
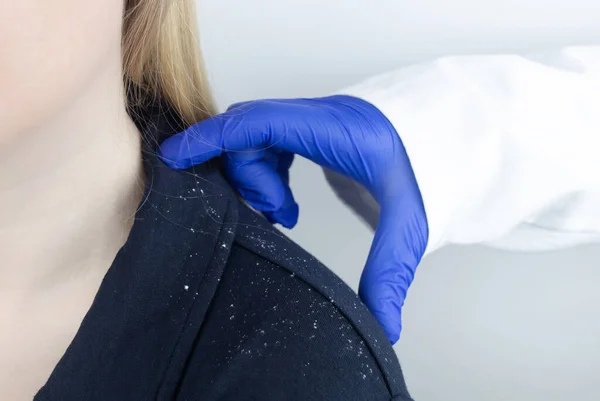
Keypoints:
pixel 480 325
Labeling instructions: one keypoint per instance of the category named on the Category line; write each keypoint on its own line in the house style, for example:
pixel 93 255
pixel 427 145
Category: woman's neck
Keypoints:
pixel 69 191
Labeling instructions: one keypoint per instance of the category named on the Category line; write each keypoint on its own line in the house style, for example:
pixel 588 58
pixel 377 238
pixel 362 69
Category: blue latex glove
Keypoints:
pixel 258 140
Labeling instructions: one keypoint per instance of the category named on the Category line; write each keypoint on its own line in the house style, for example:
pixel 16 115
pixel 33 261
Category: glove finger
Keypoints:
pixel 195 145
pixel 399 244
pixel 257 182
pixel 271 157
pixel 249 125
pixel 270 194
pixel 288 214
pixel 279 161
pixel 284 163
pixel 239 128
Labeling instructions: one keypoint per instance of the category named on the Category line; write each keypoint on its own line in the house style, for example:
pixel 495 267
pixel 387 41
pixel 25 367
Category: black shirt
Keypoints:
pixel 207 301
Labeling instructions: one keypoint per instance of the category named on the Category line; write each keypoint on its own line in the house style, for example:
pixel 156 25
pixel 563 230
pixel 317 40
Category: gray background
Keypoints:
pixel 480 325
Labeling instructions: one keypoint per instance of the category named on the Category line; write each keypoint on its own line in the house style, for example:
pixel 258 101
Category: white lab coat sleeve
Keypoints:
pixel 505 148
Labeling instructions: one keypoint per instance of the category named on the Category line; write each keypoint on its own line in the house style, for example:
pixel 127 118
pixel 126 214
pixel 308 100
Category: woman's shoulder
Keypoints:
pixel 266 320
pixel 207 301
pixel 283 326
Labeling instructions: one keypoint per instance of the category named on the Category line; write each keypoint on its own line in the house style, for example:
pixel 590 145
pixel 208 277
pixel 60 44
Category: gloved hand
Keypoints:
pixel 343 133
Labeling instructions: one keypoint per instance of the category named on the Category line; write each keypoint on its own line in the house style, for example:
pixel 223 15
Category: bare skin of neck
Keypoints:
pixel 68 194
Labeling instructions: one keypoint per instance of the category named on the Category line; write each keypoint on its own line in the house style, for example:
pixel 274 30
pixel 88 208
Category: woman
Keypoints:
pixel 122 279
pixel 495 149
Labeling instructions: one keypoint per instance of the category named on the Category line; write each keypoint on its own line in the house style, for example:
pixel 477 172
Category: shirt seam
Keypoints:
pixel 193 304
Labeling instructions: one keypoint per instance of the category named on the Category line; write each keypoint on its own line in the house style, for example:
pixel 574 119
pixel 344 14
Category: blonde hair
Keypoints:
pixel 162 57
